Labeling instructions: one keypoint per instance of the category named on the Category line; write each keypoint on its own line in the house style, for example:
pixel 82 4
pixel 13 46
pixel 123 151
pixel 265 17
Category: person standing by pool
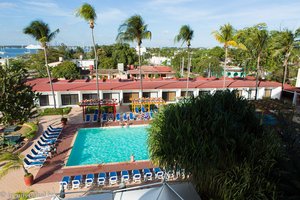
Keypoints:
pixel 132 158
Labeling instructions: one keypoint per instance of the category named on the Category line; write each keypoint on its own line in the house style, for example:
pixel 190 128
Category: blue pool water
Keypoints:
pixel 107 145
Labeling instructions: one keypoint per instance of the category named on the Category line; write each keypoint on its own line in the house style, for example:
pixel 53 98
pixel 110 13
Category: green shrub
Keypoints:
pixel 56 111
pixel 91 109
pixel 34 128
pixel 219 140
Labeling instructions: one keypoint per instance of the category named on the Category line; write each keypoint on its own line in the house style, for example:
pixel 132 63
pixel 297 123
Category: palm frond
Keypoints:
pixel 185 34
pixel 87 12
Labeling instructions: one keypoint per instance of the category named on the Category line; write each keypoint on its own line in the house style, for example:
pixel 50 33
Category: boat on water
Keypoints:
pixel 2 52
pixel 32 46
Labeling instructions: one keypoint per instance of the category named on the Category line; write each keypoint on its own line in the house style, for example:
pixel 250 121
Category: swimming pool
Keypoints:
pixel 108 145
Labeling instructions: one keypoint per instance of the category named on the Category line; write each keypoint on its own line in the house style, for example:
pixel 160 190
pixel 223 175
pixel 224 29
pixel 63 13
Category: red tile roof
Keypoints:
pixel 42 84
pixel 153 70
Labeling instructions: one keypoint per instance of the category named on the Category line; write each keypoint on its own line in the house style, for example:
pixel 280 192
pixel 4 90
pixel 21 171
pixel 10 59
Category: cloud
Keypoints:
pixel 169 2
pixel 46 8
pixel 111 15
pixel 7 5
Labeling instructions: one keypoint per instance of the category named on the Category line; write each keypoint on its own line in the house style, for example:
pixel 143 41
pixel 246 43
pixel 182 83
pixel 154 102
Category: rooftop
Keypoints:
pixel 42 84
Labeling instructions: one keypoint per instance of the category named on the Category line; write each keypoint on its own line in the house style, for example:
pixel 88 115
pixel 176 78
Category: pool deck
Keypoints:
pixel 54 169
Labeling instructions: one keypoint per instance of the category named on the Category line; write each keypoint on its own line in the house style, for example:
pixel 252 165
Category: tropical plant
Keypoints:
pixel 256 41
pixel 40 31
pixel 135 29
pixel 12 162
pixel 227 36
pixel 88 13
pixel 284 43
pixel 67 70
pixel 219 140
pixel 22 195
pixel 186 34
pixel 16 97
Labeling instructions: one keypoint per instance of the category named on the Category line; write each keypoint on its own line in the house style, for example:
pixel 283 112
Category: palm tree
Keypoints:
pixel 284 43
pixel 40 31
pixel 12 162
pixel 227 36
pixel 88 13
pixel 186 34
pixel 135 29
pixel 256 40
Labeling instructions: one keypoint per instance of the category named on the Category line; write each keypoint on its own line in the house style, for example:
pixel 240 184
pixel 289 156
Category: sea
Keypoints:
pixel 14 52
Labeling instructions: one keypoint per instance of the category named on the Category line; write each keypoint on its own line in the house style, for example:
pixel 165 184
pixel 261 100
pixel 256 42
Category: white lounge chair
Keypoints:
pixel 113 178
pixel 101 178
pixel 89 180
pixel 76 182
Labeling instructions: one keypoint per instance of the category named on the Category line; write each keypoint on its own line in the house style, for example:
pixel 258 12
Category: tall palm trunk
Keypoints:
pixel 49 75
pixel 285 64
pixel 257 73
pixel 188 73
pixel 141 77
pixel 224 70
pixel 96 64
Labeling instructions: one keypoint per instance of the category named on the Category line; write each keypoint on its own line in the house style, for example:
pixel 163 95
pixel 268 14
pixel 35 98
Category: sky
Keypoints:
pixel 164 19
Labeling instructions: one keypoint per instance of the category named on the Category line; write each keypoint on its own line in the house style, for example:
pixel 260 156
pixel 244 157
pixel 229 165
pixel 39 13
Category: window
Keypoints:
pixel 107 96
pixel 89 96
pixel 169 96
pixel 146 94
pixel 268 93
pixel 44 100
pixel 69 99
pixel 190 93
pixel 203 92
pixel 128 96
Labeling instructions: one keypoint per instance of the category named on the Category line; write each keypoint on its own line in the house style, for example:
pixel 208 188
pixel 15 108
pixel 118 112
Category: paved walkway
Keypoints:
pixel 47 178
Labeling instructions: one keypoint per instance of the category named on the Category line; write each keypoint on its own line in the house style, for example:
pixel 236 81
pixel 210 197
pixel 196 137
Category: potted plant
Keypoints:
pixel 14 161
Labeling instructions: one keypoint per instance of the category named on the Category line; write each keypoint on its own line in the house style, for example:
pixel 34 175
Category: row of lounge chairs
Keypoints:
pixel 112 179
pixel 41 150
pixel 119 117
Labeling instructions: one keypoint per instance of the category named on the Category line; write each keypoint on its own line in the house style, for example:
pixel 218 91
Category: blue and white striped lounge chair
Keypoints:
pixel 87 118
pixel 118 117
pixel 65 182
pixel 44 149
pixel 47 141
pixel 55 129
pixel 136 175
pixel 49 137
pixel 104 117
pixel 89 180
pixel 43 145
pixel 38 153
pixel 101 178
pixel 49 134
pixel 36 158
pixel 159 174
pixel 113 178
pixel 131 116
pixel 95 117
pixel 137 110
pixel 76 182
pixel 28 164
pixel 51 131
pixel 143 109
pixel 147 174
pixel 125 176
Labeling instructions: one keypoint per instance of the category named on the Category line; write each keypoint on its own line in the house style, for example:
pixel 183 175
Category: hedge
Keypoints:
pixel 55 111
